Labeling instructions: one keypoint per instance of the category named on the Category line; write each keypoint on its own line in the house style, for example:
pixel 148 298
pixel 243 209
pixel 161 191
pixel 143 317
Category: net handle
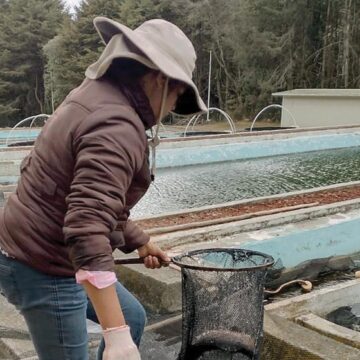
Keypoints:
pixel 133 261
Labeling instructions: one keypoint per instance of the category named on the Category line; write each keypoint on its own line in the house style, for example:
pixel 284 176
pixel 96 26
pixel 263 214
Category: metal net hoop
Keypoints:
pixel 222 302
pixel 224 259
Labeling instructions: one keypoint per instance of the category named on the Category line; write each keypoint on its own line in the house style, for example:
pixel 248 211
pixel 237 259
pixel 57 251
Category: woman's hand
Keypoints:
pixel 119 345
pixel 153 256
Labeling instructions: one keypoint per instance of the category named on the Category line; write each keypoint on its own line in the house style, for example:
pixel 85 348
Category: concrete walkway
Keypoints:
pixel 284 339
pixel 159 342
pixel 14 337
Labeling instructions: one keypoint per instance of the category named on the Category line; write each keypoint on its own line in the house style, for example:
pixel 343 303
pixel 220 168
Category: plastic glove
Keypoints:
pixel 119 345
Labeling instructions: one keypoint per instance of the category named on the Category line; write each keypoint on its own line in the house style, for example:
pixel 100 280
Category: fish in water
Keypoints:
pixel 225 340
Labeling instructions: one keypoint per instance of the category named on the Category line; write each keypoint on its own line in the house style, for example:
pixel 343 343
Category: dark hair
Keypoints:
pixel 126 71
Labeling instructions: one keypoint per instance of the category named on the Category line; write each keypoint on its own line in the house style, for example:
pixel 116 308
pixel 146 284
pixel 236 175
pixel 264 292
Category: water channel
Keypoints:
pixel 192 186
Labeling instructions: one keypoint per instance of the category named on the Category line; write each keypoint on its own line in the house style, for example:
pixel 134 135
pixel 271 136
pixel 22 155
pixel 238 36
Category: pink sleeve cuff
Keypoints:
pixel 99 279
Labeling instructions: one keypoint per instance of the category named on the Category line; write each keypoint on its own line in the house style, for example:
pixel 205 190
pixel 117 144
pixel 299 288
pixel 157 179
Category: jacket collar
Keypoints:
pixel 138 99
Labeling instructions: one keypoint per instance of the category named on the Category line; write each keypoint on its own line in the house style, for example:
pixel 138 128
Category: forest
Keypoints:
pixel 258 47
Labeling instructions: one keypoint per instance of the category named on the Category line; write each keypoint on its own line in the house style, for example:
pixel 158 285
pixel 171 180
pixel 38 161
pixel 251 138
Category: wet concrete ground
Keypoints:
pixel 158 342
pixel 154 346
pixel 162 343
pixel 161 339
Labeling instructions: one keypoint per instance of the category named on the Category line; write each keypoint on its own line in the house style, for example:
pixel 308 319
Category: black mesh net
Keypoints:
pixel 222 303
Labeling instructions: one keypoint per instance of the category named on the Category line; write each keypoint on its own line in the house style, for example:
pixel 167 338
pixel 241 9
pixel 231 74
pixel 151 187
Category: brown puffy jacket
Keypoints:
pixel 88 168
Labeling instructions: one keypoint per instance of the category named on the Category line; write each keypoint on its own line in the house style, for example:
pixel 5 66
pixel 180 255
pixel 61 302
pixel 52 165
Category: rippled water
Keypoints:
pixel 200 185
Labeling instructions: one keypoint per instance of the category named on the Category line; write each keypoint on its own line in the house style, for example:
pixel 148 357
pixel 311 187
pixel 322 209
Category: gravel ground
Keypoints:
pixel 319 197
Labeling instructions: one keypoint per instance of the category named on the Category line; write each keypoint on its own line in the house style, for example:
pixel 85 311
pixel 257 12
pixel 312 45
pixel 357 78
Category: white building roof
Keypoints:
pixel 319 93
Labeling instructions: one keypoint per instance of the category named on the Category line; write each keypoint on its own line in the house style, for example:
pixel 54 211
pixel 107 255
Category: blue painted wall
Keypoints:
pixel 332 240
pixel 254 149
pixel 23 133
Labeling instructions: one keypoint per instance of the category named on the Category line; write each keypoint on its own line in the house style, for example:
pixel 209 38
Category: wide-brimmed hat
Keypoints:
pixel 158 44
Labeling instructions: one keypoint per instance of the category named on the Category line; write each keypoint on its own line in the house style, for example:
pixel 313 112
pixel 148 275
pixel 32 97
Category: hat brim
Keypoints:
pixel 190 102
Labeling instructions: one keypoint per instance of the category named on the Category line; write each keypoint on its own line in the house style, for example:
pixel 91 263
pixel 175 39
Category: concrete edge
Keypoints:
pixel 247 135
pixel 212 232
pixel 285 339
pixel 244 135
pixel 308 303
pixel 329 329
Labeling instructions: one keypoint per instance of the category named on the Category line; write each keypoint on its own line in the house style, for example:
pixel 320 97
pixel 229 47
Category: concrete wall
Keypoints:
pixel 294 328
pixel 293 237
pixel 204 151
pixel 320 111
pixel 326 238
pixel 182 156
pixel 14 153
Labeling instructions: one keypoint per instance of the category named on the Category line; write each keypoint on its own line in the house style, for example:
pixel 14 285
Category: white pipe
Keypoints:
pixel 191 120
pixel 276 106
pixel 195 118
pixel 21 122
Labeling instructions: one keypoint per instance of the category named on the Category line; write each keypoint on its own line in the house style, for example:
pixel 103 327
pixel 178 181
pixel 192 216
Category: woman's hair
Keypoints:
pixel 127 71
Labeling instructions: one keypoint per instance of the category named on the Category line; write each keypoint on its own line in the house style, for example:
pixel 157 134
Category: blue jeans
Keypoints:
pixel 55 310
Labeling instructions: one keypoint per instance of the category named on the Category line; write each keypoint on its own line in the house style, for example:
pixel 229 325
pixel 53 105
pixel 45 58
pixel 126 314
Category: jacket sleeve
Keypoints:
pixel 131 238
pixel 107 155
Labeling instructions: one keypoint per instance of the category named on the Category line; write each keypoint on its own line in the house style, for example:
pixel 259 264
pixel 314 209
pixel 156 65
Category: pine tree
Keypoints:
pixel 76 47
pixel 25 28
pixel 78 44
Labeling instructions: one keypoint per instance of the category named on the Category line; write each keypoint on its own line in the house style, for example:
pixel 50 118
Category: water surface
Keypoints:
pixel 199 185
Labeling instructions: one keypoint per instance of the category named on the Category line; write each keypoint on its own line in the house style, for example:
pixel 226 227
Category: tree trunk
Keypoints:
pixel 37 96
pixel 325 45
pixel 346 44
pixel 218 89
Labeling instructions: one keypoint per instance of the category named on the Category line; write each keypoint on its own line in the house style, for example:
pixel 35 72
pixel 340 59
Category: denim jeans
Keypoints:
pixel 55 310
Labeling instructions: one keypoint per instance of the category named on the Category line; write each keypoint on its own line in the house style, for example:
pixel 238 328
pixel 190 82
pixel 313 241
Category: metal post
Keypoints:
pixel 209 90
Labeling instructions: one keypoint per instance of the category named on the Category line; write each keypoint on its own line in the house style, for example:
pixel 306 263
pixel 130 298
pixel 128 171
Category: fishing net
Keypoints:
pixel 222 303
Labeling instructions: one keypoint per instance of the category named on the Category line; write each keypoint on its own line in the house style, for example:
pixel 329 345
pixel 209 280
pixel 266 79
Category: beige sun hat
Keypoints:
pixel 158 44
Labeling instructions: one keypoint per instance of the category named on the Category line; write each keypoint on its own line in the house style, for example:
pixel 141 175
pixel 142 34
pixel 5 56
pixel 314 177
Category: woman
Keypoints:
pixel 88 168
